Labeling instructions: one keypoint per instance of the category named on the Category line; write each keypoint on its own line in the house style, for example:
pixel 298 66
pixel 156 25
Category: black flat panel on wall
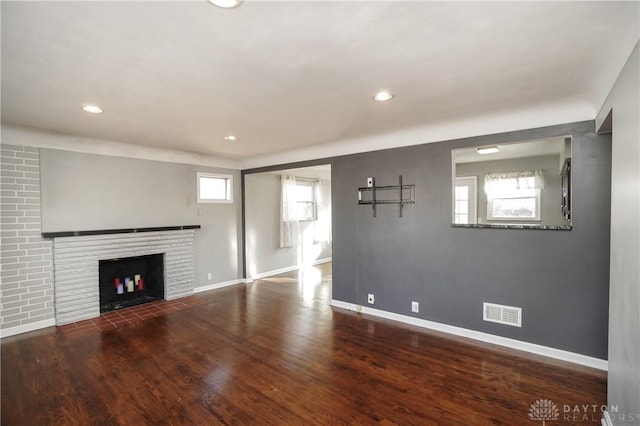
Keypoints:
pixel 559 278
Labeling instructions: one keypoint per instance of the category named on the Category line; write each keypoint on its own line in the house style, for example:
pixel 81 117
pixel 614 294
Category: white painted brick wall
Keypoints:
pixel 26 271
pixel 76 267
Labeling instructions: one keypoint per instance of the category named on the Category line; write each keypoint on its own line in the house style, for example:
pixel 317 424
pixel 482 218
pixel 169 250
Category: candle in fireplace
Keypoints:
pixel 119 287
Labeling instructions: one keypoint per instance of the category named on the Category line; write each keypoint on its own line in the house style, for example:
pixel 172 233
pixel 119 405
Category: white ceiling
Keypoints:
pixel 288 75
pixel 322 171
pixel 535 148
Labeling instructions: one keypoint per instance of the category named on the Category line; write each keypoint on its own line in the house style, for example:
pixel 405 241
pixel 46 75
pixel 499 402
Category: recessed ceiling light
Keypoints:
pixel 383 96
pixel 93 109
pixel 225 4
pixel 231 138
pixel 488 150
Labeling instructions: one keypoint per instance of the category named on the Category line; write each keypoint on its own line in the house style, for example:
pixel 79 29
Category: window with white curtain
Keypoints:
pixel 304 199
pixel 322 230
pixel 514 195
pixel 298 199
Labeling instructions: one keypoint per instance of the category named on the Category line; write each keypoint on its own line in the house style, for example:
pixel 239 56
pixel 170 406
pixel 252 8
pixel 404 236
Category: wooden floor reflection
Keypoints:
pixel 275 352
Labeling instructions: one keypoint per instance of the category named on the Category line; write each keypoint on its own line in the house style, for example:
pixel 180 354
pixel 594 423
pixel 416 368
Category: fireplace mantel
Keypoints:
pixel 116 231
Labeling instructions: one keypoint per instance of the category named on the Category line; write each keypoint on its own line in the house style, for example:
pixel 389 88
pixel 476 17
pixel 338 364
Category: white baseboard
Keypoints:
pixel 606 419
pixel 32 326
pixel 575 358
pixel 287 269
pixel 274 272
pixel 218 285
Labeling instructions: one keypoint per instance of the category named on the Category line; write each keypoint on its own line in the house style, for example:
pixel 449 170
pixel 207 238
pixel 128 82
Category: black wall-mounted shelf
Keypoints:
pixel 116 231
pixel 402 194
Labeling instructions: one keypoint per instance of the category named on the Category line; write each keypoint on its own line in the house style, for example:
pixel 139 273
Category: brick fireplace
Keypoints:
pixel 76 260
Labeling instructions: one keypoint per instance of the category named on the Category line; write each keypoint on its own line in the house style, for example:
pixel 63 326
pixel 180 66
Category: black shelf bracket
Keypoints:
pixel 400 194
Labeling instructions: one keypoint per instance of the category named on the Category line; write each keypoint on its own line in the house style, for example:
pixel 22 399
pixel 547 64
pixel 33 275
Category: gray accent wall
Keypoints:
pixel 624 307
pixel 87 191
pixel 262 222
pixel 560 279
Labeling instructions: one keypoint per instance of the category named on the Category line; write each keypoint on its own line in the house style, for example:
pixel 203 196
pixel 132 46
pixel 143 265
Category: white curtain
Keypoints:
pixel 530 179
pixel 288 223
pixel 322 226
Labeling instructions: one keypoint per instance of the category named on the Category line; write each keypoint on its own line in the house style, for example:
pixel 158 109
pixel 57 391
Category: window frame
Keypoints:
pixel 229 188
pixel 470 182
pixel 313 202
pixel 536 197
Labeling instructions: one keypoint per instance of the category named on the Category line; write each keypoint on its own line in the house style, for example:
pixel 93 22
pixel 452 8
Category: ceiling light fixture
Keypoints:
pixel 231 138
pixel 383 96
pixel 488 150
pixel 93 109
pixel 226 4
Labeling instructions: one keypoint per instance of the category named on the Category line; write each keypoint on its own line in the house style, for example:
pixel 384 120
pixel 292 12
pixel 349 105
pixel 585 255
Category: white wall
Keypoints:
pixel 624 296
pixel 83 191
pixel 262 222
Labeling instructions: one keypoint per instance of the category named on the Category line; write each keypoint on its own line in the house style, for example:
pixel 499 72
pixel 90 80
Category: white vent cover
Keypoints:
pixel 502 314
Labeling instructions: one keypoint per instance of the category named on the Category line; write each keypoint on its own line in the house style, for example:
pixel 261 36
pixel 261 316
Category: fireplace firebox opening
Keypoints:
pixel 130 281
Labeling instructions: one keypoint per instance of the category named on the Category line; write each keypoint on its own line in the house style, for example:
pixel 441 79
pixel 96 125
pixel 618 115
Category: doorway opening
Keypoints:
pixel 287 220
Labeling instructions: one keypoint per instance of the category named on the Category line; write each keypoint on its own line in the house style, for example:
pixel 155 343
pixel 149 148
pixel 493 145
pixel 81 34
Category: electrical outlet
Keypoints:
pixel 415 307
pixel 370 299
pixel 370 182
pixel 209 276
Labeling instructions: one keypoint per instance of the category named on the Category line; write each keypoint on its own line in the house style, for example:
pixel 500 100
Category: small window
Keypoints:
pixel 514 195
pixel 214 188
pixel 305 201
pixel 525 207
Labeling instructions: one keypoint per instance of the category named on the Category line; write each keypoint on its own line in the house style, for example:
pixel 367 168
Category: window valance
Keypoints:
pixel 529 179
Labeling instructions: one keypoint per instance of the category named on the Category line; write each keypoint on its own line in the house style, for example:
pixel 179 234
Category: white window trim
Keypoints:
pixel 314 188
pixel 473 206
pixel 517 219
pixel 229 179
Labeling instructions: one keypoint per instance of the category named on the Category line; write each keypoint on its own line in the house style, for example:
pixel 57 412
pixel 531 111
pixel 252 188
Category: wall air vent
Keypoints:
pixel 508 315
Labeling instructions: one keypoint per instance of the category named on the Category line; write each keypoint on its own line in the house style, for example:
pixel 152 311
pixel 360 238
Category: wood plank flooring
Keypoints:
pixel 274 352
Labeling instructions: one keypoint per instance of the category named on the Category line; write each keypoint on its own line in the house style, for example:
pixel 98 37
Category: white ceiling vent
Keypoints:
pixel 508 315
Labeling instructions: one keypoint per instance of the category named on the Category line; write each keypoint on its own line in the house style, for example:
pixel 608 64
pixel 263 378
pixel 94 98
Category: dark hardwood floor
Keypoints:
pixel 275 352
